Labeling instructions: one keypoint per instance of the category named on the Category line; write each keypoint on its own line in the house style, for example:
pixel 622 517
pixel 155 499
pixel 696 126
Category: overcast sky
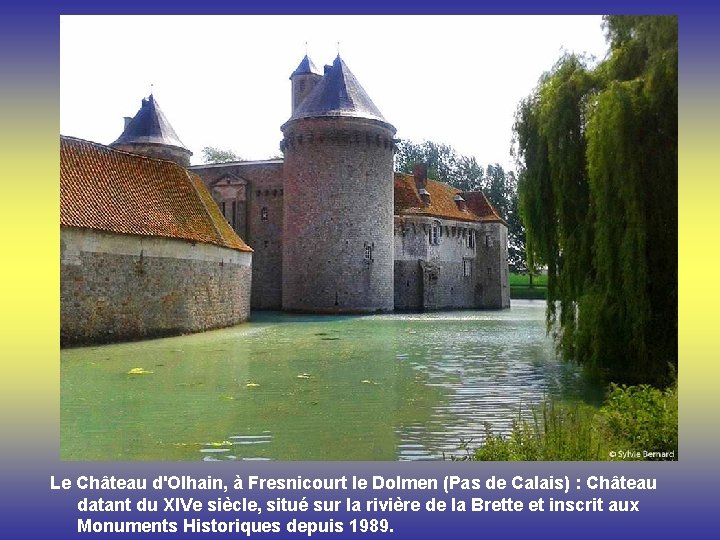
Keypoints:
pixel 223 81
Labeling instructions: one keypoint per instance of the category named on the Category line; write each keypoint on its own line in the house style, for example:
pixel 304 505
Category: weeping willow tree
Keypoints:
pixel 597 160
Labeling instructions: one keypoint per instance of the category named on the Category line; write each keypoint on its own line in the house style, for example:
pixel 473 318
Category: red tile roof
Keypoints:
pixel 114 191
pixel 442 201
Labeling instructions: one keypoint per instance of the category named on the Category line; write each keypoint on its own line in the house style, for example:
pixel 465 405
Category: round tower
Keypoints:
pixel 304 79
pixel 338 200
pixel 150 134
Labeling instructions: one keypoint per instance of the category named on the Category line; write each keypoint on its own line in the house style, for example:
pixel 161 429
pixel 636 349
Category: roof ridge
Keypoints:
pixel 120 150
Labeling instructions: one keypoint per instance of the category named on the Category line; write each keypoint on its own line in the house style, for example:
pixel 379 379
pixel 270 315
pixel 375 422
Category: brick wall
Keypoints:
pixel 262 184
pixel 120 287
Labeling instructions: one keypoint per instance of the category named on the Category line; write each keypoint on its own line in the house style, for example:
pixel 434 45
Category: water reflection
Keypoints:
pixel 289 387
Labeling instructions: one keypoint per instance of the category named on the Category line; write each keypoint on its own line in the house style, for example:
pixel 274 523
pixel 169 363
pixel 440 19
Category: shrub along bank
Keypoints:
pixel 634 423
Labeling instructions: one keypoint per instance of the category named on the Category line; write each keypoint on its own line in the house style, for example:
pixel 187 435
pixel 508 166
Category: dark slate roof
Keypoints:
pixel 306 66
pixel 338 93
pixel 150 125
pixel 118 192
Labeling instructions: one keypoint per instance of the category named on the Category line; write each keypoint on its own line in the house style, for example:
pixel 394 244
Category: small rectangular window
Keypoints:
pixel 234 214
pixel 264 213
pixel 467 268
pixel 368 253
pixel 471 239
pixel 435 233
pixel 487 240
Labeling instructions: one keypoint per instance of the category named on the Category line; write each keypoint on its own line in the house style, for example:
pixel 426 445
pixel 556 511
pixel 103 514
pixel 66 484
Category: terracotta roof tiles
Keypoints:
pixel 114 191
pixel 442 201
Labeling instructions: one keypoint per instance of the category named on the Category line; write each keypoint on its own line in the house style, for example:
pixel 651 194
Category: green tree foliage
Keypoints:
pixel 597 161
pixel 216 155
pixel 441 159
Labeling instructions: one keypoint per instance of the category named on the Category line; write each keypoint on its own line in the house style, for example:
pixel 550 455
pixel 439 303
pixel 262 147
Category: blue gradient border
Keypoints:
pixel 685 502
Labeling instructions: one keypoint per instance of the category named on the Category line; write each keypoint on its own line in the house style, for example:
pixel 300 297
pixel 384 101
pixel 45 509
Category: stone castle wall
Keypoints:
pixel 120 287
pixel 492 266
pixel 451 274
pixel 338 215
pixel 302 85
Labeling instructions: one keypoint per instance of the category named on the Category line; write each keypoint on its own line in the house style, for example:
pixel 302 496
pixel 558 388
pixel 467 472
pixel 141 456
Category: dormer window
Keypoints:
pixel 435 233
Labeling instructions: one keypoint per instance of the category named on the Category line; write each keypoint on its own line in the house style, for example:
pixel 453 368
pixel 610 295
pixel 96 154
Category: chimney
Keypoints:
pixel 420 174
pixel 127 120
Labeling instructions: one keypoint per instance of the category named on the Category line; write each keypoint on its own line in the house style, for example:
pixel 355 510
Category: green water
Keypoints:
pixel 291 387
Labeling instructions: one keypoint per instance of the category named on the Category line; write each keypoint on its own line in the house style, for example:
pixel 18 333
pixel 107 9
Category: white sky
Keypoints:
pixel 223 80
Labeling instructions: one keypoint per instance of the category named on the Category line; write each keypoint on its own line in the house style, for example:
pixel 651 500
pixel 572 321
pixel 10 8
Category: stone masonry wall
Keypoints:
pixel 338 216
pixel 263 189
pixel 121 287
pixel 451 274
pixel 492 266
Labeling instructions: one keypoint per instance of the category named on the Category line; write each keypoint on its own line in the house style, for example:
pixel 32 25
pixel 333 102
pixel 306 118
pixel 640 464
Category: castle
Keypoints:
pixel 334 230
pixel 331 227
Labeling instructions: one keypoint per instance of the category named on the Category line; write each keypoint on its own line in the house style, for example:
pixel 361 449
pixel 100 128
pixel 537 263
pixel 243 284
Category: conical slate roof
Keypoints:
pixel 149 125
pixel 338 93
pixel 306 66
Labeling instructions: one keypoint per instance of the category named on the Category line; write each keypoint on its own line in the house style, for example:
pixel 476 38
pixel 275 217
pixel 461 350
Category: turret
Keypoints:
pixel 304 79
pixel 150 134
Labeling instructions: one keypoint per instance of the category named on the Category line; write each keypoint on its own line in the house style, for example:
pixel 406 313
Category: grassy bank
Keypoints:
pixel 520 286
pixel 634 423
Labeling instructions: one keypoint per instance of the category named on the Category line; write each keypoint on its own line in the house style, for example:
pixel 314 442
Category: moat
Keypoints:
pixel 298 387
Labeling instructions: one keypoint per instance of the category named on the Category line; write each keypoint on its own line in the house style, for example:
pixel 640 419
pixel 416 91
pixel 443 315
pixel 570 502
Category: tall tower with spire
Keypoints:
pixel 338 197
pixel 150 134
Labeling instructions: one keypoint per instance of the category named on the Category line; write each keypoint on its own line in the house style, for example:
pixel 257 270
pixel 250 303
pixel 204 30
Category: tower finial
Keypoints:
pixel 151 89
pixel 338 48
pixel 306 49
